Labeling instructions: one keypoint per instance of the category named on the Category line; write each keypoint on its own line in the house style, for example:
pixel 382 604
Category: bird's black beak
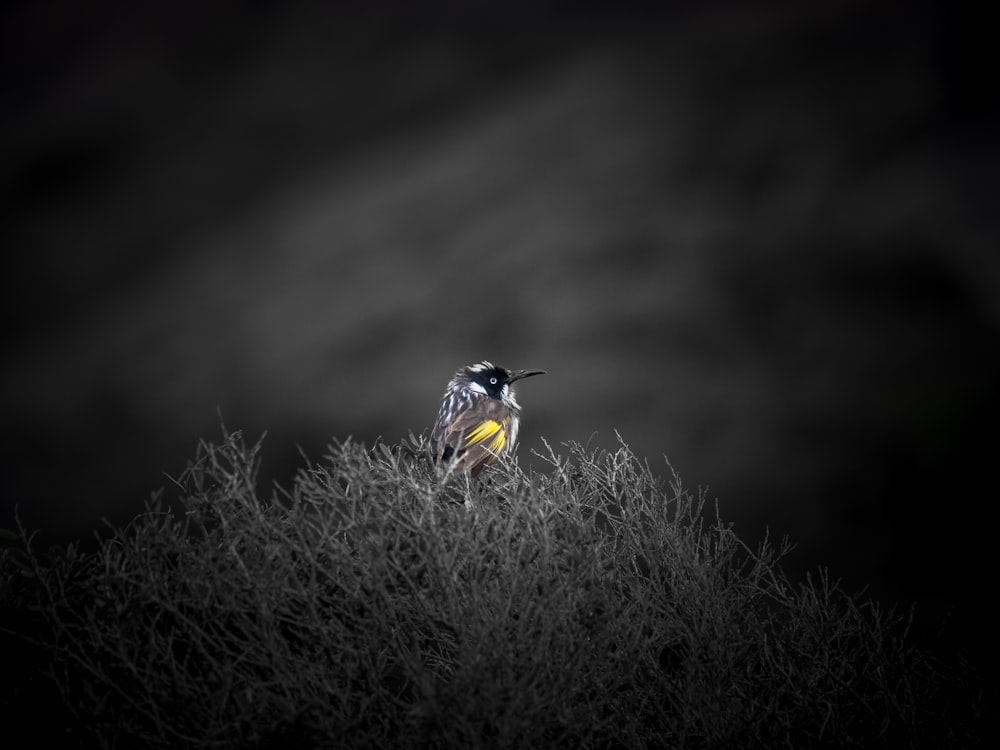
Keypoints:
pixel 518 374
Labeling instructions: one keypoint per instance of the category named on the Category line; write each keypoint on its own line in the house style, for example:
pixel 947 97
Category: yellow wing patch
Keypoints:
pixel 488 430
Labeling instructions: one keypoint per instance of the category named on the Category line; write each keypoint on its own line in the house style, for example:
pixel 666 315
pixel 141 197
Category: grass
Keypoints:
pixel 375 604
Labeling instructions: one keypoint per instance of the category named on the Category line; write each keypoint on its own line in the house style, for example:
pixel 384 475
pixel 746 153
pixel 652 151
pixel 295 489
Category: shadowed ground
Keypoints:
pixel 759 243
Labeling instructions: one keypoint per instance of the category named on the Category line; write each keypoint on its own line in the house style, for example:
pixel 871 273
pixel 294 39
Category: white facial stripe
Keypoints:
pixel 474 386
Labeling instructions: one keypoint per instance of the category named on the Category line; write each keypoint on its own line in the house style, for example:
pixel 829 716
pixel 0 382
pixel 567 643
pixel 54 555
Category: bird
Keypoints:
pixel 479 417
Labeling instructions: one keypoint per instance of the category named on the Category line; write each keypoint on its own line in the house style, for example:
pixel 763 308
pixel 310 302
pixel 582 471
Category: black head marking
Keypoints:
pixel 490 377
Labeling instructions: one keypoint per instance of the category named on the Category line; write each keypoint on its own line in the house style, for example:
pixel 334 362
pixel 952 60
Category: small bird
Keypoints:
pixel 479 417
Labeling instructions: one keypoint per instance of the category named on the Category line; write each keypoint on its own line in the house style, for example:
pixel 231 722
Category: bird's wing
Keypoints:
pixel 478 435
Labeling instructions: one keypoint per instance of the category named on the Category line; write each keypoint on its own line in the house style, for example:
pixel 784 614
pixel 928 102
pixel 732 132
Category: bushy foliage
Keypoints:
pixel 377 604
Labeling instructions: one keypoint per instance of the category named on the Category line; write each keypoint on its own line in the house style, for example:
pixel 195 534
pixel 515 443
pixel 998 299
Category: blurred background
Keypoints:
pixel 759 240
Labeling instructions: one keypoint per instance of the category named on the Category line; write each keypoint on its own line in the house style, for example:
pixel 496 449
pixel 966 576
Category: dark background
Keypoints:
pixel 758 240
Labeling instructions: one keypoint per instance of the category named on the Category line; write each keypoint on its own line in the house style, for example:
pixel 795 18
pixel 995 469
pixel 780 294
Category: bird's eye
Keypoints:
pixel 493 381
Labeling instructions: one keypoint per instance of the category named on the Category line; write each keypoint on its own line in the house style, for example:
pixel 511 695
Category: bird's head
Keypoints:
pixel 490 380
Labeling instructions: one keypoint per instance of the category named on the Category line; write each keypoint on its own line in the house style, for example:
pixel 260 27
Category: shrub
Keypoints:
pixel 376 604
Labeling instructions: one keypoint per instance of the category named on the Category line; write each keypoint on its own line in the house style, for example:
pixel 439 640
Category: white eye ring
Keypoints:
pixel 493 381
